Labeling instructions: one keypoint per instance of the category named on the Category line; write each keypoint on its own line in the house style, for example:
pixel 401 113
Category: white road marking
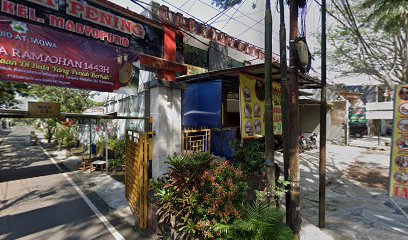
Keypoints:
pixel 398 206
pixel 101 217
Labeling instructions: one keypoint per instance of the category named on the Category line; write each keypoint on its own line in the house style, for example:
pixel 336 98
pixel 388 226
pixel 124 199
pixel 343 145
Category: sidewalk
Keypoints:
pixel 357 204
pixel 371 142
pixel 107 189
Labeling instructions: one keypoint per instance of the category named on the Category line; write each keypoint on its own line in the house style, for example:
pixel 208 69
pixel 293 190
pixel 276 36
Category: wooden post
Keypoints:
pixel 379 131
pixel 106 146
pixel 90 139
pixel 293 137
pixel 284 101
pixel 323 112
pixel 269 148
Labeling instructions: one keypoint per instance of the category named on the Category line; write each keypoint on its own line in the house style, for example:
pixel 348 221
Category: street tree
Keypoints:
pixel 71 100
pixel 10 91
pixel 225 4
pixel 366 42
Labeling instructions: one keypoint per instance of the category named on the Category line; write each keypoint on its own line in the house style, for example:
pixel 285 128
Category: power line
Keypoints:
pixel 233 14
pixel 199 20
pixel 217 16
pixel 240 16
pixel 192 5
pixel 182 5
pixel 178 28
pixel 256 30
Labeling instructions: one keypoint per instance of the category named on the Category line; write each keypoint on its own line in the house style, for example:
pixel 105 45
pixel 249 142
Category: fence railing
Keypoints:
pixel 195 140
pixel 139 150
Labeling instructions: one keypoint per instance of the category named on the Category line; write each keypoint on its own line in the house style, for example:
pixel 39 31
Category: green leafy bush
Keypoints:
pixel 249 157
pixel 196 194
pixel 118 148
pixel 259 222
pixel 66 134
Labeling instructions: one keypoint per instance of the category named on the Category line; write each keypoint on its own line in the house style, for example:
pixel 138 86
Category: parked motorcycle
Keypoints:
pixel 302 143
pixel 312 140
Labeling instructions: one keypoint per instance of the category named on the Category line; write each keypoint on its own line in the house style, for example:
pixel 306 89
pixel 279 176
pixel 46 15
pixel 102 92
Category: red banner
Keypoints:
pixel 38 55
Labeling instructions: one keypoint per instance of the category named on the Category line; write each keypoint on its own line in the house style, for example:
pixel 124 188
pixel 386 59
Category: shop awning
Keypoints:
pixel 230 77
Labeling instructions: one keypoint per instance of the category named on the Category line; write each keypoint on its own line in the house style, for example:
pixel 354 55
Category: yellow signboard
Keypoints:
pixel 399 149
pixel 252 107
pixel 192 70
pixel 44 109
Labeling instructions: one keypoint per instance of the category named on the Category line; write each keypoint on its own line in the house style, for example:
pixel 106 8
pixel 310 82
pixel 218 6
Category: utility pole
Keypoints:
pixel 269 146
pixel 323 111
pixel 284 101
pixel 294 220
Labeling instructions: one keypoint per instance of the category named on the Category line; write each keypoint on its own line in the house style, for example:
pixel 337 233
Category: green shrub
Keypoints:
pixel 196 194
pixel 249 157
pixel 259 222
pixel 118 148
pixel 66 134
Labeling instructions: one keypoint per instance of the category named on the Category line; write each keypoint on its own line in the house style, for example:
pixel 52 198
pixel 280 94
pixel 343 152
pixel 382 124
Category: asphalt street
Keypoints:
pixel 37 201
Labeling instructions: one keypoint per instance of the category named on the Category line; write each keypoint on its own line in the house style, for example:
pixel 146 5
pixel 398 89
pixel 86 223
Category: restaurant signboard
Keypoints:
pixel 252 107
pixel 69 43
pixel 399 149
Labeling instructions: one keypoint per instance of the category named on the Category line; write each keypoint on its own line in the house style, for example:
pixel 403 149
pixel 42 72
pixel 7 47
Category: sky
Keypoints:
pixel 245 22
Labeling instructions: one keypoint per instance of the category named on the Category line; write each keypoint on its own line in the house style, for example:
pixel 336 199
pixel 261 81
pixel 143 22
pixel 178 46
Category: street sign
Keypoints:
pixel 380 110
pixel 379 114
pixel 379 106
pixel 44 109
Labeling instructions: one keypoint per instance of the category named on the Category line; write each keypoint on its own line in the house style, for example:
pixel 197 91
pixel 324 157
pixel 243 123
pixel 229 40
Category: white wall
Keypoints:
pixel 165 109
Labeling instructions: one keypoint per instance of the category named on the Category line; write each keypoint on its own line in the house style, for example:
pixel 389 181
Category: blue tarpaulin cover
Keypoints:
pixel 202 104
pixel 221 142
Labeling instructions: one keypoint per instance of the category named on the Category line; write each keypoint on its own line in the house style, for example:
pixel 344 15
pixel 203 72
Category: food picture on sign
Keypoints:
pixel 401 177
pixel 248 110
pixel 247 94
pixel 403 93
pixel 401 161
pixel 260 90
pixel 258 127
pixel 403 125
pixel 402 143
pixel 257 110
pixel 403 108
pixel 249 129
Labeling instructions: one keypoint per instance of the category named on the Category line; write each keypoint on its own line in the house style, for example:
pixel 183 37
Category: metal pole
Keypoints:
pixel 379 131
pixel 90 139
pixel 348 105
pixel 323 111
pixel 294 170
pixel 269 145
pixel 284 101
pixel 106 145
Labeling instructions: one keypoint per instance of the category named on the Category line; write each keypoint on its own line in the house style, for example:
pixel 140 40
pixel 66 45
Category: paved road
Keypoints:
pixel 36 200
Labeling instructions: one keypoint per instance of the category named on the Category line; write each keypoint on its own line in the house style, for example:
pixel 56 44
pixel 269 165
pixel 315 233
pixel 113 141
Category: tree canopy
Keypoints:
pixel 10 91
pixel 224 4
pixel 71 100
pixel 364 43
